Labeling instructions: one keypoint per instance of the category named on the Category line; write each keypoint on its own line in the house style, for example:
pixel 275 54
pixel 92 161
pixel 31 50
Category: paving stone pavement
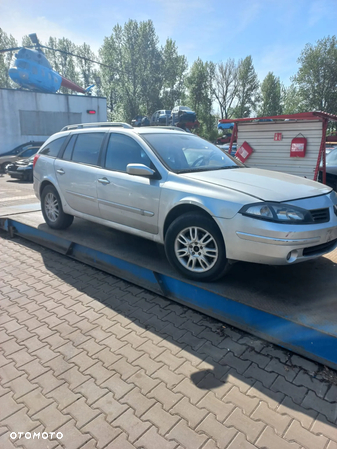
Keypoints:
pixel 109 365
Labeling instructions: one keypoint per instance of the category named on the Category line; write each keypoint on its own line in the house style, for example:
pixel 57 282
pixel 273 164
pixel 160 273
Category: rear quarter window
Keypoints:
pixel 52 149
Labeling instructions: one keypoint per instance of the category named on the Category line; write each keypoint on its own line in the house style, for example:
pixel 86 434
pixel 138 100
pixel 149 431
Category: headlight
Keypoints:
pixel 278 212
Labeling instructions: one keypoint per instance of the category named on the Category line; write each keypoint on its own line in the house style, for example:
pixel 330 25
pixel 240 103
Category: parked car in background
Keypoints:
pixel 6 160
pixel 160 117
pixel 331 170
pixel 179 190
pixel 329 148
pixel 182 114
pixel 137 121
pixel 9 156
pixel 225 138
pixel 226 148
pixel 22 169
pixel 145 121
pixel 225 125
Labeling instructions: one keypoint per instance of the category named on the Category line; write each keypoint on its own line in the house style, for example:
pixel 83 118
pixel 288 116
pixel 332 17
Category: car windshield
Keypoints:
pixel 331 158
pixel 184 153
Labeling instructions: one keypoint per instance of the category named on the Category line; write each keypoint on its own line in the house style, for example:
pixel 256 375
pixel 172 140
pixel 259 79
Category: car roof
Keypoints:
pixel 159 130
pixel 31 143
pixel 32 147
pixel 130 130
pixel 332 152
pixel 96 125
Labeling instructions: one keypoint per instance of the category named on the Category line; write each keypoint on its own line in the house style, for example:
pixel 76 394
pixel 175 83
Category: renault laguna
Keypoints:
pixel 177 189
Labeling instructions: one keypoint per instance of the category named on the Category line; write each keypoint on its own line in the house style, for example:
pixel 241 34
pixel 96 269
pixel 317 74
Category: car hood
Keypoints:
pixel 23 161
pixel 265 185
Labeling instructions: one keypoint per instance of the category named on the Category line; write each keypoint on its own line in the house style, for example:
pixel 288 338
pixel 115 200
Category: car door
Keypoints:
pixel 154 118
pixel 126 199
pixel 77 171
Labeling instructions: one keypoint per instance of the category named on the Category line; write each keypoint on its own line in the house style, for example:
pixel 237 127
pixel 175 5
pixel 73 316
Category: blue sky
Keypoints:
pixel 273 32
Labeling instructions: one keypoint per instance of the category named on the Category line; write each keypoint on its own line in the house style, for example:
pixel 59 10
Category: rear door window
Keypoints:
pixel 123 150
pixel 87 148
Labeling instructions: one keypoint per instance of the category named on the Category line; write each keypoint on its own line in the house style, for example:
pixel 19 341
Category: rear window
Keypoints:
pixel 87 148
pixel 52 149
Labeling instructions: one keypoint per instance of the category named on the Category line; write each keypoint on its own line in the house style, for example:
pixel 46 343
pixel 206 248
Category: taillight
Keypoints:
pixel 35 159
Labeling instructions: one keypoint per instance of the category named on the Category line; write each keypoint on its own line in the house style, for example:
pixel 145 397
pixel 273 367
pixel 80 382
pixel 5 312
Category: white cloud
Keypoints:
pixel 22 21
pixel 280 59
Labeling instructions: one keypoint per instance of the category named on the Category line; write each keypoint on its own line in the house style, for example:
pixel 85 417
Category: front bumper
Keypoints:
pixel 16 174
pixel 251 240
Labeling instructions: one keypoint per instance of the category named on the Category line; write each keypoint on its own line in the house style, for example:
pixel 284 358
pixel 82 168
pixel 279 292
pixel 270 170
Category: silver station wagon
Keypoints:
pixel 179 190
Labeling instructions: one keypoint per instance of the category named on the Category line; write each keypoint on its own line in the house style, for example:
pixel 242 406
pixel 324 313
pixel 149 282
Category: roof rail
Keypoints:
pixel 172 127
pixel 97 125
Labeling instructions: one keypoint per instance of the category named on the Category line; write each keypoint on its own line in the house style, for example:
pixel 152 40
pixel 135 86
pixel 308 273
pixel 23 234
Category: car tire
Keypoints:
pixel 195 247
pixel 52 209
pixel 28 177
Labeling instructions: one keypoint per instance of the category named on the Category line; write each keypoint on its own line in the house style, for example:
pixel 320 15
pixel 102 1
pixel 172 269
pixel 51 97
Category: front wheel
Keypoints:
pixel 195 247
pixel 52 209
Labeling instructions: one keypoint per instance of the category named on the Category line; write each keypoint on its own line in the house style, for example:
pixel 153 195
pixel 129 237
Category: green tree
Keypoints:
pixel 292 100
pixel 88 70
pixel 248 85
pixel 174 69
pixel 317 76
pixel 26 42
pixel 6 59
pixel 133 79
pixel 199 84
pixel 226 86
pixel 270 96
pixel 62 61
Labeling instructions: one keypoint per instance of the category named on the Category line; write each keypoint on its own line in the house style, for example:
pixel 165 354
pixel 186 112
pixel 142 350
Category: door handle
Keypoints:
pixel 103 181
pixel 60 171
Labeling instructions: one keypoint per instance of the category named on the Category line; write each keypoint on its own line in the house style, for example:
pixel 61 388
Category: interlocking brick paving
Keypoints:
pixel 110 365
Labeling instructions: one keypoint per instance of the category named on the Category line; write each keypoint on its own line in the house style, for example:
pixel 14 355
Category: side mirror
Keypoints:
pixel 140 170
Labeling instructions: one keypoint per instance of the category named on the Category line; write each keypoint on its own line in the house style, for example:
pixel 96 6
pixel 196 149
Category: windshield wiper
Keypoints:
pixel 194 169
pixel 227 167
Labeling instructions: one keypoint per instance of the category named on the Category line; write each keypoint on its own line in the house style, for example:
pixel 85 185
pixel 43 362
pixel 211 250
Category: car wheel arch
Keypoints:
pixel 182 209
pixel 46 183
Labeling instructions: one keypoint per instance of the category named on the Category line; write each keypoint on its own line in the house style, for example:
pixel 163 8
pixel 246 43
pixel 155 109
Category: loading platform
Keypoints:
pixel 294 306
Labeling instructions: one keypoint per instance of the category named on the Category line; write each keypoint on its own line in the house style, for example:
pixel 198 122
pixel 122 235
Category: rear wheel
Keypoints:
pixel 195 247
pixel 52 209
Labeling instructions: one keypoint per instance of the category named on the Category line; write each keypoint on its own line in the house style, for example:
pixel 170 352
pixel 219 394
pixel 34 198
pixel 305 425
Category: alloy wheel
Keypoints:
pixel 196 249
